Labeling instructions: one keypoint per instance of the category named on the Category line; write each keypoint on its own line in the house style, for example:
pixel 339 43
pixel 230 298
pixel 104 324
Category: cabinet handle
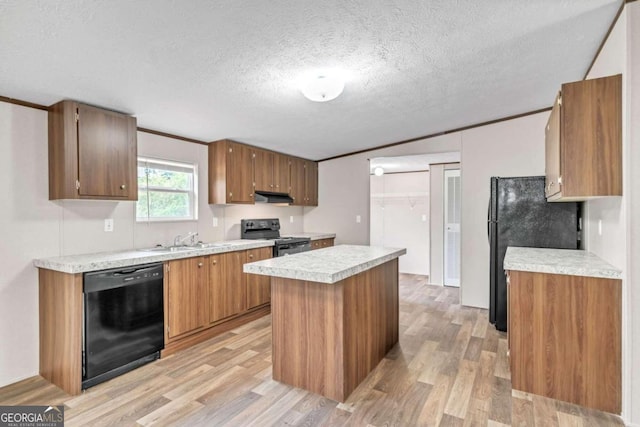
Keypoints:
pixel 122 187
pixel 199 264
pixel 250 194
pixel 250 255
pixel 214 262
pixel 271 185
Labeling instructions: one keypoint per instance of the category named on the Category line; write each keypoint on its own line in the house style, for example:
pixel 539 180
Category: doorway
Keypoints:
pixel 452 227
pixel 407 209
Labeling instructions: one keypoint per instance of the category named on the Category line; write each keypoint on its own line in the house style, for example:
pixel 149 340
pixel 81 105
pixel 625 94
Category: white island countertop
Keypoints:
pixel 328 265
pixel 559 261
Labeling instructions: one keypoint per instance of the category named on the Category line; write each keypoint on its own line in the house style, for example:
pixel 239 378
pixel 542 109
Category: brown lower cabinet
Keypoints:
pixel 205 296
pixel 565 337
pixel 186 287
pixel 258 287
pixel 321 243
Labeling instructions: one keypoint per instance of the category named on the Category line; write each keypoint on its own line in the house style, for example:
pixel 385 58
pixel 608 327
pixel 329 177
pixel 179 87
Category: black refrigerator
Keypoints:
pixel 519 215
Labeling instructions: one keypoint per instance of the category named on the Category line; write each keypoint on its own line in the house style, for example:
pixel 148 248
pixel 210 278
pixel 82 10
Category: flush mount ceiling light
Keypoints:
pixel 378 171
pixel 322 86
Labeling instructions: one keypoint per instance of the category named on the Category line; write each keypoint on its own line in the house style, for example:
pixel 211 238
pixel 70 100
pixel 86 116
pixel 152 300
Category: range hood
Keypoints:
pixel 269 197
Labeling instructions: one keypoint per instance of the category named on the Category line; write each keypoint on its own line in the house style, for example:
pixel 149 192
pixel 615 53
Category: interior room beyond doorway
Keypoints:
pixel 407 209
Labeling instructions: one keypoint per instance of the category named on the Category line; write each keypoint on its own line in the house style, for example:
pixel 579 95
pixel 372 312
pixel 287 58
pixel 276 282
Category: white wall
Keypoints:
pixel 34 227
pixel 399 217
pixel 631 392
pixel 29 225
pixel 509 148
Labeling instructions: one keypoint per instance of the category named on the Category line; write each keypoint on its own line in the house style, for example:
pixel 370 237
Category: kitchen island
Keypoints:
pixel 334 315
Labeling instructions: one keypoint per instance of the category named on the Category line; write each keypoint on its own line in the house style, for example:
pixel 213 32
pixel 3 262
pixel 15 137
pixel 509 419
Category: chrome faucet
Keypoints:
pixel 179 240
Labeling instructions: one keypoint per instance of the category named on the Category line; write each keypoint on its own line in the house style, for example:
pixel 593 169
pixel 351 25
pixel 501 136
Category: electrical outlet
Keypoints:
pixel 424 218
pixel 358 219
pixel 215 221
pixel 599 227
pixel 108 224
pixel 291 219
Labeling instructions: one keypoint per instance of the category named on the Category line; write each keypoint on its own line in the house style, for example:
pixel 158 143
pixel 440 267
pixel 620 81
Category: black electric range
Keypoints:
pixel 269 229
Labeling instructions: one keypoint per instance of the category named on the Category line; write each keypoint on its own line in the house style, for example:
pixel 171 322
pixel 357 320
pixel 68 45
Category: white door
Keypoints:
pixel 452 227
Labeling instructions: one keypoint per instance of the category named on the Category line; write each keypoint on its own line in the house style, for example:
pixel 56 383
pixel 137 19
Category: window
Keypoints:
pixel 166 191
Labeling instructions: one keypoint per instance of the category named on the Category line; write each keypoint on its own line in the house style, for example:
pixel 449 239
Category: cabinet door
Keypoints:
pixel 297 181
pixel 107 150
pixel 325 243
pixel 552 150
pixel 311 184
pixel 263 169
pixel 591 138
pixel 227 291
pixel 258 287
pixel 281 173
pixel 186 282
pixel 239 173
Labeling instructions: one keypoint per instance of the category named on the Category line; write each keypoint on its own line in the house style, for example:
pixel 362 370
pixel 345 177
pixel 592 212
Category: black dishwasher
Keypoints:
pixel 123 321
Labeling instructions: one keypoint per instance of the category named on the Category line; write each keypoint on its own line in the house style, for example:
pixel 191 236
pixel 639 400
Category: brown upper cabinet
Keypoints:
pixel 271 171
pixel 304 182
pixel 231 174
pixel 92 153
pixel 583 141
pixel 237 170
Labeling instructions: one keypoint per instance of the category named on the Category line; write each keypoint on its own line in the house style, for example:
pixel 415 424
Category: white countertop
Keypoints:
pixel 103 260
pixel 559 261
pixel 328 265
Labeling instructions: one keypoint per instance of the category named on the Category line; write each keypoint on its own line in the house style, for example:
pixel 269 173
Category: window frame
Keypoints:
pixel 166 164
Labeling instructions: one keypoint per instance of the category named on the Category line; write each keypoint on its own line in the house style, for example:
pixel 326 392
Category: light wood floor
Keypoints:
pixel 450 368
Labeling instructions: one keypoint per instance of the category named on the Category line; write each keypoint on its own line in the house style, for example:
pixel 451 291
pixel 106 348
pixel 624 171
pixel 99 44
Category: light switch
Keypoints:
pixel 358 219
pixel 291 219
pixel 108 224
pixel 424 218
pixel 599 227
pixel 215 221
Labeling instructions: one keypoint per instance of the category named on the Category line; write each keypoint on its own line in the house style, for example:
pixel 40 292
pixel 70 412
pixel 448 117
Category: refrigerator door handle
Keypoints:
pixel 489 222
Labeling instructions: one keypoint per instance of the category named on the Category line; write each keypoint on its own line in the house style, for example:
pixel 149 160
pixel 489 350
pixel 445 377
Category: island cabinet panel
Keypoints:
pixel 61 313
pixel 258 286
pixel 328 337
pixel 186 287
pixel 565 338
pixel 227 294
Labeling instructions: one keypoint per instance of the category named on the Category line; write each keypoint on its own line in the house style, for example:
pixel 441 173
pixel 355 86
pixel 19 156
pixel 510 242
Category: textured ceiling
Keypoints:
pixel 228 69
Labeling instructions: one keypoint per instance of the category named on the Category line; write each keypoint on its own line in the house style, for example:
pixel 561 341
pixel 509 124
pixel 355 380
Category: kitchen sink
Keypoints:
pixel 212 245
pixel 167 249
